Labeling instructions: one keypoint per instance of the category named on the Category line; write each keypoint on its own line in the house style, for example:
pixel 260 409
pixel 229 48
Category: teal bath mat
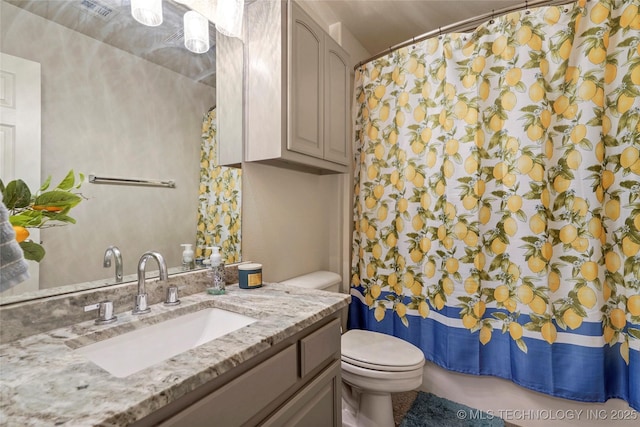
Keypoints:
pixel 429 410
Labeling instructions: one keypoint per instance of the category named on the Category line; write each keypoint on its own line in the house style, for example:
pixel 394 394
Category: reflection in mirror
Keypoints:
pixel 115 99
pixel 220 202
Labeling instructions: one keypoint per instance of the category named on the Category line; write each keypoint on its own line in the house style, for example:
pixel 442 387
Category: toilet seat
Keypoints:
pixel 381 368
pixel 380 352
pixel 387 375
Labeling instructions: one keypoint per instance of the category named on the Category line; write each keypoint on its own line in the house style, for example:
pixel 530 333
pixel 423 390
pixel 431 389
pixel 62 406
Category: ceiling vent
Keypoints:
pixel 97 8
pixel 175 39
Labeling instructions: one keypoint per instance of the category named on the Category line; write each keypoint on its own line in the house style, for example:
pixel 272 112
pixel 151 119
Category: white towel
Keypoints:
pixel 13 267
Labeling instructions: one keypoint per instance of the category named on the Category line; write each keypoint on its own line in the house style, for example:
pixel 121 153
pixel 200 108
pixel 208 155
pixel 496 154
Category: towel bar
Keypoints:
pixel 132 181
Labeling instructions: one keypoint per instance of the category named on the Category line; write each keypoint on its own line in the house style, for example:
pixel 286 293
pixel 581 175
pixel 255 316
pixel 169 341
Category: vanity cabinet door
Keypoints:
pixel 316 405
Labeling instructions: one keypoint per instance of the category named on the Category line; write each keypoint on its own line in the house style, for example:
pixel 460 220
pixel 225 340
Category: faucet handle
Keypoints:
pixel 105 312
pixel 172 296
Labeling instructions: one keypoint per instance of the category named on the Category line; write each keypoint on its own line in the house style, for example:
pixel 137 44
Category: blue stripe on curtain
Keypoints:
pixel 588 374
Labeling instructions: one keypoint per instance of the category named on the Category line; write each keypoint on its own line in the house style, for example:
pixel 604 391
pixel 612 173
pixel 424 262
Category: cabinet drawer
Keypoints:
pixel 236 402
pixel 320 346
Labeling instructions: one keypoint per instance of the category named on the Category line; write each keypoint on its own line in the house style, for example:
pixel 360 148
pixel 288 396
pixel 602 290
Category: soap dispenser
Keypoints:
pixel 187 257
pixel 216 272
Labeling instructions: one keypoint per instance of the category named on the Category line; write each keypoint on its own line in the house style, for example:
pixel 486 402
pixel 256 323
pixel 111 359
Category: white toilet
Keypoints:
pixel 374 365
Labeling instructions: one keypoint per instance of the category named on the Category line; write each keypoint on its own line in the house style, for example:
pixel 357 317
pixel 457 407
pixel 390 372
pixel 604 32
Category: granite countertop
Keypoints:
pixel 44 382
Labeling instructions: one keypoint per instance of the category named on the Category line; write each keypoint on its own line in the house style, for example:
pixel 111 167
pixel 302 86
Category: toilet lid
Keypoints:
pixel 316 280
pixel 378 351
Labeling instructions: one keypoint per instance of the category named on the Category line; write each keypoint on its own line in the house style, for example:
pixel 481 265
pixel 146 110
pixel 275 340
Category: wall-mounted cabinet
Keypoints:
pixel 229 99
pixel 297 101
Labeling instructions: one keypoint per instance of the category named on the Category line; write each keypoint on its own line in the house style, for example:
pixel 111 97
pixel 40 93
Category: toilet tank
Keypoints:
pixel 324 280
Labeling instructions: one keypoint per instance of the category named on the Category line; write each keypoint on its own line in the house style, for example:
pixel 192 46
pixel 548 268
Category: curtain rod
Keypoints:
pixel 466 25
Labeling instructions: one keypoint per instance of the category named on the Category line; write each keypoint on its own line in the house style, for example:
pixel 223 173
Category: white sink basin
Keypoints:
pixel 134 351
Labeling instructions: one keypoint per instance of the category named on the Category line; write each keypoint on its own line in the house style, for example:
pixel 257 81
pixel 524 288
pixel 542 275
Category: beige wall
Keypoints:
pixel 110 113
pixel 291 221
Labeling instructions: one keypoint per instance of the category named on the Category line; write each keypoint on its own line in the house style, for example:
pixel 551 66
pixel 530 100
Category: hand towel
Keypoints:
pixel 13 267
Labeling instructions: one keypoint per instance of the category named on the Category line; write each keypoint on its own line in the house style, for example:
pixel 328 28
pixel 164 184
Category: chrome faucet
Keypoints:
pixel 141 306
pixel 114 252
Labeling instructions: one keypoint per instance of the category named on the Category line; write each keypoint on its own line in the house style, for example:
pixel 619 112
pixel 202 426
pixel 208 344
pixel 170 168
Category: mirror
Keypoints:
pixel 118 99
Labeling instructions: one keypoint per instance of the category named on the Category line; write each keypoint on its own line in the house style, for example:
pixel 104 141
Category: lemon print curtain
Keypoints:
pixel 497 199
pixel 219 208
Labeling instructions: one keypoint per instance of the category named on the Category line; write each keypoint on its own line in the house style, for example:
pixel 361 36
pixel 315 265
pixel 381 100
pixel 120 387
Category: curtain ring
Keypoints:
pixel 439 32
pixel 493 13
pixel 526 6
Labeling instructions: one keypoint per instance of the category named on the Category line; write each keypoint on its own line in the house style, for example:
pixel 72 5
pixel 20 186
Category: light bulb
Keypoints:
pixel 147 12
pixel 206 8
pixel 196 32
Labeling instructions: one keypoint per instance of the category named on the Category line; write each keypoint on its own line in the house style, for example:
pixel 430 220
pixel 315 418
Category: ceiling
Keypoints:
pixel 379 24
pixel 376 24
pixel 110 21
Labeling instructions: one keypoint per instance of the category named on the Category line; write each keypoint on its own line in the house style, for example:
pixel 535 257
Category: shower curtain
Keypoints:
pixel 497 199
pixel 219 208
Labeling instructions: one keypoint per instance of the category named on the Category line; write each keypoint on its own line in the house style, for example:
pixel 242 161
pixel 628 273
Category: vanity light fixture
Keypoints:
pixel 229 17
pixel 147 12
pixel 196 32
pixel 206 8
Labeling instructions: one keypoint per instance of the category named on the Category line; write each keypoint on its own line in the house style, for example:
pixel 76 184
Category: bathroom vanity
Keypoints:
pixel 282 369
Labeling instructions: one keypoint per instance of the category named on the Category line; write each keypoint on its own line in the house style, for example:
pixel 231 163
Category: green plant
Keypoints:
pixel 42 209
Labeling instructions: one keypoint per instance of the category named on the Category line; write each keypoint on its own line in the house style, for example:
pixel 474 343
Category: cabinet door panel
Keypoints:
pixel 337 116
pixel 319 347
pixel 306 80
pixel 319 404
pixel 236 402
